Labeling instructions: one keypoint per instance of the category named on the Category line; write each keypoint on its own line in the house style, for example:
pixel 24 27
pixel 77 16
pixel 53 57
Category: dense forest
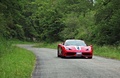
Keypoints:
pixel 97 21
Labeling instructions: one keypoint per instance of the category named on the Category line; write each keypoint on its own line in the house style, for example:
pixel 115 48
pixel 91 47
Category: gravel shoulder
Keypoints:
pixel 48 65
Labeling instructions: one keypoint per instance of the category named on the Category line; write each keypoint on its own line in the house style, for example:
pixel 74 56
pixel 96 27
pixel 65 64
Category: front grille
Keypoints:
pixel 70 53
pixel 86 53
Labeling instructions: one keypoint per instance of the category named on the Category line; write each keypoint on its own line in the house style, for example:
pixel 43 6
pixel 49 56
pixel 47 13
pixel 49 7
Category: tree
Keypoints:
pixel 107 23
pixel 47 21
pixel 11 13
pixel 77 18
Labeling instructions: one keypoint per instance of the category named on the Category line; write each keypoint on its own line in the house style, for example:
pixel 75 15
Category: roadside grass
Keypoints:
pixel 107 51
pixel 103 51
pixel 15 41
pixel 47 45
pixel 15 62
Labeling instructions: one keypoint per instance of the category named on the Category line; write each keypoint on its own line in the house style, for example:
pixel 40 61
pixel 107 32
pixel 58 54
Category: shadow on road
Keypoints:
pixel 73 58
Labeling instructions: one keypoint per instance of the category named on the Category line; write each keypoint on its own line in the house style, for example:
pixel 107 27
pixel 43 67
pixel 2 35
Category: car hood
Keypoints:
pixel 83 48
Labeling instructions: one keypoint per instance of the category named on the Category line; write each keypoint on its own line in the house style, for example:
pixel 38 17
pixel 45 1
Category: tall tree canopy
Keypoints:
pixel 53 20
pixel 107 25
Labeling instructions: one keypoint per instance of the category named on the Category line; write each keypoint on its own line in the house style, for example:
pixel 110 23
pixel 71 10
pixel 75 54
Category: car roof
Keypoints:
pixel 73 40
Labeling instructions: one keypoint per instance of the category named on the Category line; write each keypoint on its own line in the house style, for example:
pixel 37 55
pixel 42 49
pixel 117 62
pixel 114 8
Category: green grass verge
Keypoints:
pixel 15 41
pixel 103 51
pixel 107 51
pixel 15 62
pixel 47 45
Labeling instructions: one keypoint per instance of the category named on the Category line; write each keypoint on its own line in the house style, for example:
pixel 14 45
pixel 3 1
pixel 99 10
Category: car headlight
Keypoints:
pixel 67 48
pixel 88 49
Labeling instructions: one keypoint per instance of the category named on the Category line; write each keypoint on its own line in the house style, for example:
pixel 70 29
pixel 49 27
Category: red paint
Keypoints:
pixel 74 50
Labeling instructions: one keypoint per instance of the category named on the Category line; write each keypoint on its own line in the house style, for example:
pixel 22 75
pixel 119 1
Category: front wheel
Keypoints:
pixel 58 54
pixel 59 51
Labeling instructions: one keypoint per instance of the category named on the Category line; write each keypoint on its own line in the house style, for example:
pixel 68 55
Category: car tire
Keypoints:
pixel 58 52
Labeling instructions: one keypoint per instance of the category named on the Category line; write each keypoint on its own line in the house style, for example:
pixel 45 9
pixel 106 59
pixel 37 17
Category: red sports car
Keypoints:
pixel 74 48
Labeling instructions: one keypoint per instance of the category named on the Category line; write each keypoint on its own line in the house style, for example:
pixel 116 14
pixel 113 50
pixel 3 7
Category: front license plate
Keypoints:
pixel 79 53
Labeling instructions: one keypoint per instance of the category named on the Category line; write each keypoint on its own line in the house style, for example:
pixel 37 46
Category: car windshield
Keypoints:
pixel 75 43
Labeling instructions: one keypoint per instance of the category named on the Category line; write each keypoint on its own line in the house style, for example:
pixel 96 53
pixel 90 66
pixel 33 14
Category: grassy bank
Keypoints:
pixel 107 51
pixel 15 62
pixel 104 51
pixel 47 45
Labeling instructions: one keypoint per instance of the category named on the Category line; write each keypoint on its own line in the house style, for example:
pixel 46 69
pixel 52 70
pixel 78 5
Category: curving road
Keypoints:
pixel 48 65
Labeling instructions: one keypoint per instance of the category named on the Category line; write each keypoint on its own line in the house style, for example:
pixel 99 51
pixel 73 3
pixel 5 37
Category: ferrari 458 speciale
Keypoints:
pixel 74 48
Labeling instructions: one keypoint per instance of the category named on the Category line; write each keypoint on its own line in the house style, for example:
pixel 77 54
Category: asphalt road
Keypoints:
pixel 48 65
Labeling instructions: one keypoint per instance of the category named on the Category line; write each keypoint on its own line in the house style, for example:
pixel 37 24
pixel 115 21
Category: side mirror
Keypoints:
pixel 91 45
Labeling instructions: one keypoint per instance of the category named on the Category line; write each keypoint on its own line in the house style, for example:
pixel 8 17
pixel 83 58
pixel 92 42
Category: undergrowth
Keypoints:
pixel 15 62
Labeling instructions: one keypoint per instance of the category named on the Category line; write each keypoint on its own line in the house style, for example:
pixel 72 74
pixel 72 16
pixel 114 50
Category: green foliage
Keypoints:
pixel 53 20
pixel 107 51
pixel 2 25
pixel 107 23
pixel 43 20
pixel 47 45
pixel 19 32
pixel 15 62
pixel 18 64
pixel 47 20
pixel 86 26
pixel 71 23
pixel 76 20
pixel 10 16
pixel 5 47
